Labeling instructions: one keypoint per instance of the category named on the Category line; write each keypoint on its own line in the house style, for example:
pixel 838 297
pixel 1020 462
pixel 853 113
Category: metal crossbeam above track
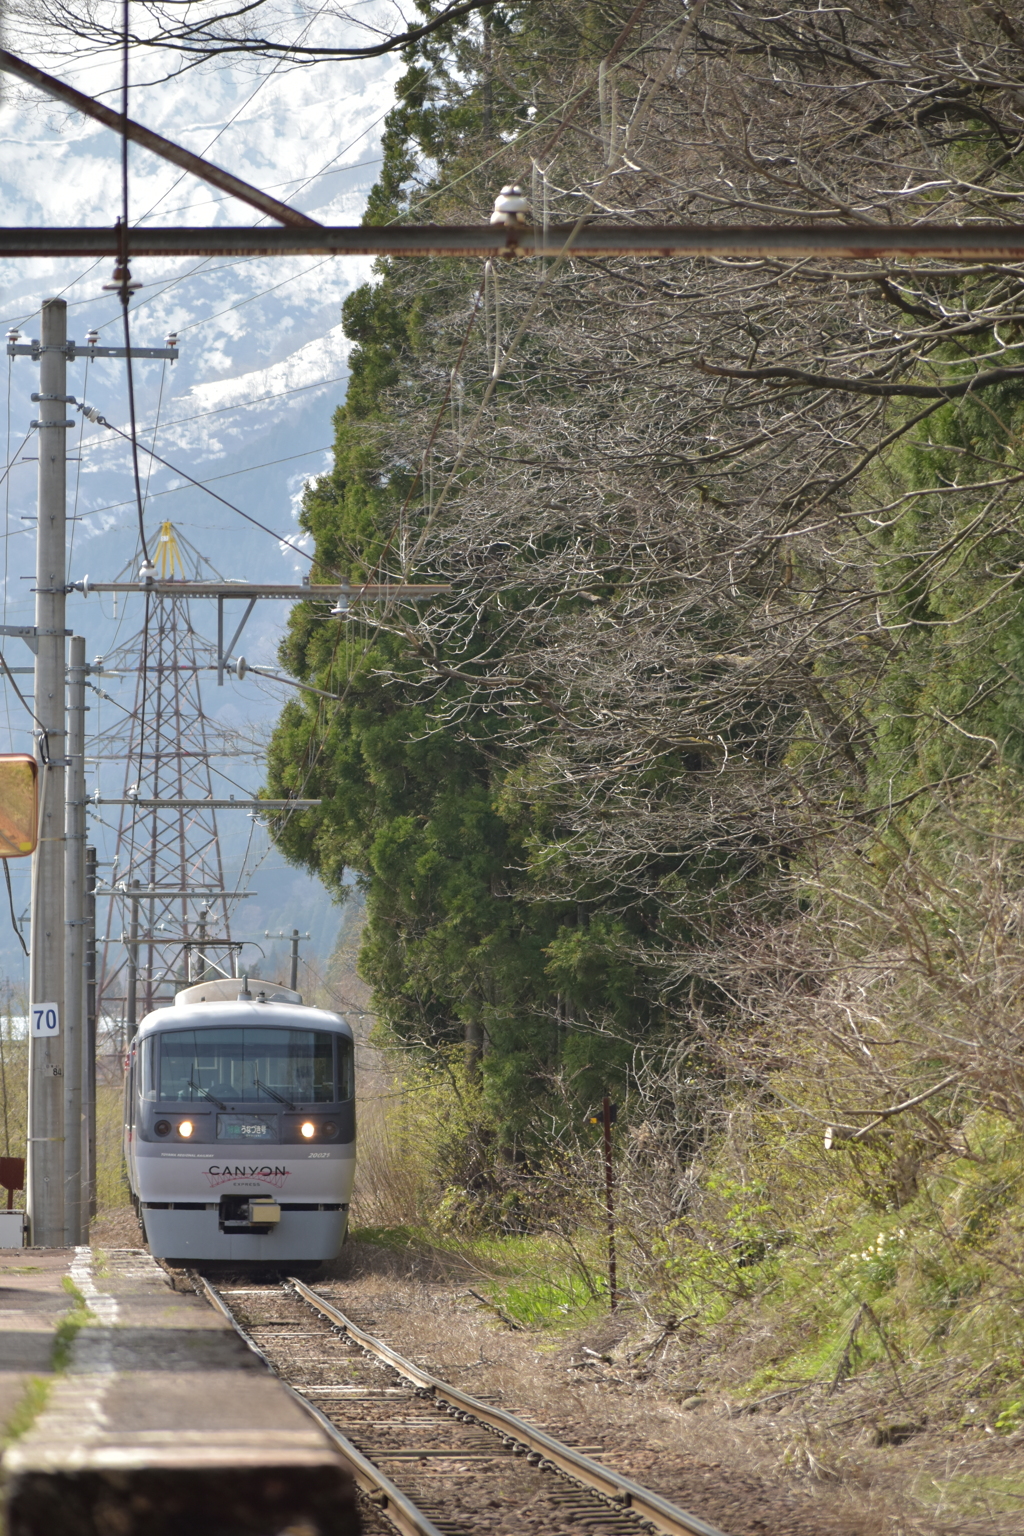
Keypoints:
pixel 782 242
pixel 320 592
pixel 212 805
pixel 144 893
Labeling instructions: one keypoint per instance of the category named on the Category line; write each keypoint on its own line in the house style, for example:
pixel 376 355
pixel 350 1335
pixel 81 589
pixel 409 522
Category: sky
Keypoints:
pixel 247 406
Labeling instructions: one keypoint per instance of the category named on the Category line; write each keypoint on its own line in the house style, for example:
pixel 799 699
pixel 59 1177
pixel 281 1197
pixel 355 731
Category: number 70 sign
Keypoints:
pixel 45 1021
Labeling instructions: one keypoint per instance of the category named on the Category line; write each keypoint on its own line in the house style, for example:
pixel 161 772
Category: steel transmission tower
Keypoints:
pixel 169 915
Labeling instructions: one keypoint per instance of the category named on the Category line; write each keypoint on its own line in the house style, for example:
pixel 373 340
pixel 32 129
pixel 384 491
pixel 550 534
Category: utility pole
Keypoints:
pixel 608 1112
pixel 204 913
pixel 131 1002
pixel 46 969
pixel 75 1032
pixel 295 936
pixel 89 1083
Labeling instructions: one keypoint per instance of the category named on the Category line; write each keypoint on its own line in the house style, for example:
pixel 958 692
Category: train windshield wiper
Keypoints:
pixel 274 1093
pixel 197 1088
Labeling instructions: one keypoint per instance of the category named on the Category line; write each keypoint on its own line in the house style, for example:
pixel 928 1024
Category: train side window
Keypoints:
pixel 129 1090
pixel 147 1054
pixel 346 1067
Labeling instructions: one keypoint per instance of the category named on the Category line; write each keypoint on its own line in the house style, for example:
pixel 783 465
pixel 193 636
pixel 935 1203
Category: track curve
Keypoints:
pixel 602 1498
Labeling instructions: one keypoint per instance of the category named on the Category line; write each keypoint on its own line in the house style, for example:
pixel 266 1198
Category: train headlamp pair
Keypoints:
pixel 307 1130
pixel 164 1128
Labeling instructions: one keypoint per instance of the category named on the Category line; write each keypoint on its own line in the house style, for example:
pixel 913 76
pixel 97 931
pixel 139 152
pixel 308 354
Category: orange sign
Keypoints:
pixel 19 805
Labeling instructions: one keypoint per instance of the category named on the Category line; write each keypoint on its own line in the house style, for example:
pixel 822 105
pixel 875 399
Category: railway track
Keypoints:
pixel 429 1458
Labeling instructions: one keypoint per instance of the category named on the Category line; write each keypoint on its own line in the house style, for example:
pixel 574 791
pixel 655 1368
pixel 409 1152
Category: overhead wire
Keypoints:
pixel 242 405
pixel 201 265
pixel 125 295
pixel 78 472
pixel 17 452
pixel 10 678
pixel 280 537
pixel 125 290
pixel 158 458
pixel 285 541
pixel 156 429
pixel 133 435
pixel 288 458
pixel 10 899
pixel 178 179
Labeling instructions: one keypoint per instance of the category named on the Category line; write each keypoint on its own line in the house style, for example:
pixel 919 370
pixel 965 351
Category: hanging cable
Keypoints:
pixel 17 451
pixel 125 285
pixel 21 696
pixel 101 421
pixel 78 474
pixel 10 899
pixel 156 426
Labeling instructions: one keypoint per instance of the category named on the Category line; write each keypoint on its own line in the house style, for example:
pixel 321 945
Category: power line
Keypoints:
pixel 95 416
pixel 203 484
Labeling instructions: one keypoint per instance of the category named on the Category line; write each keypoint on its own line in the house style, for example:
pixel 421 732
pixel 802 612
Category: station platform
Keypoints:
pixel 161 1422
pixel 32 1302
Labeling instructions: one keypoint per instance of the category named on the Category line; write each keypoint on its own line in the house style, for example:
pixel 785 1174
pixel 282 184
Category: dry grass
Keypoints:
pixel 689 1455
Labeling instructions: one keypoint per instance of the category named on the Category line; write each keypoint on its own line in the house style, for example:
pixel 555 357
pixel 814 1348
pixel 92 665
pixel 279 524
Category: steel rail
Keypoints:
pixel 771 242
pixel 400 1509
pixel 659 1513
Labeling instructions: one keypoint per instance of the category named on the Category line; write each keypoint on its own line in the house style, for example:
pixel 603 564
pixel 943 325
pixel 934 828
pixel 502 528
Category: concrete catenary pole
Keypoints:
pixel 75 1032
pixel 89 1083
pixel 46 1052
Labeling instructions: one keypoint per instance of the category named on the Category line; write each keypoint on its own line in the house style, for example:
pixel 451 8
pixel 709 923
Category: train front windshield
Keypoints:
pixel 250 1065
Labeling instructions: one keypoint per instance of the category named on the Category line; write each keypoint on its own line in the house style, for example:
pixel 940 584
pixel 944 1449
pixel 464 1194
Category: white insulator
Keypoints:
pixel 147 573
pixel 511 206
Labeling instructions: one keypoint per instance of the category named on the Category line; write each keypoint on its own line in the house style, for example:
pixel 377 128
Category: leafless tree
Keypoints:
pixel 669 527
pixel 196 31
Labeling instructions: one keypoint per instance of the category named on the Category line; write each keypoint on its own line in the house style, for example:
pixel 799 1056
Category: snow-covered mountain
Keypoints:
pixel 247 407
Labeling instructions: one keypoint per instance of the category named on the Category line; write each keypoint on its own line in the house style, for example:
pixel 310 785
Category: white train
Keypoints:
pixel 240 1130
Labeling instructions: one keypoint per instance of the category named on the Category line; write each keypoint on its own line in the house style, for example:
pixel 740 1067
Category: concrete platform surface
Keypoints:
pixel 32 1301
pixel 166 1425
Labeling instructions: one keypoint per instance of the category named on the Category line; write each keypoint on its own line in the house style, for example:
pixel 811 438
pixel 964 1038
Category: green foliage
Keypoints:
pixel 806 887
pixel 111 1178
pixel 951 695
pixel 70 1325
pixel 30 1405
pixel 550 1303
pixel 458 945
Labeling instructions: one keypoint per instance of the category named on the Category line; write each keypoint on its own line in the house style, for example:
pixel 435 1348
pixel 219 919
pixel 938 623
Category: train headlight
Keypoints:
pixel 307 1129
pixel 329 1128
pixel 162 1127
pixel 185 1128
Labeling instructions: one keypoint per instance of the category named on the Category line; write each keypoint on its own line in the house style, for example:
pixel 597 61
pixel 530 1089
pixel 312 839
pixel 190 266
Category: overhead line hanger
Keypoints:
pixel 303 235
